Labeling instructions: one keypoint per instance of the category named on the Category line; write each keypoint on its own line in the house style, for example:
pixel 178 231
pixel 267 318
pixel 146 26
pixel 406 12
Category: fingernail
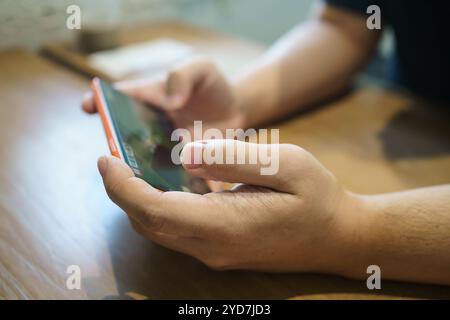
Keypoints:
pixel 102 165
pixel 192 154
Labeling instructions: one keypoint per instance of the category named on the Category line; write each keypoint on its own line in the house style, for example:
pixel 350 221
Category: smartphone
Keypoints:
pixel 139 134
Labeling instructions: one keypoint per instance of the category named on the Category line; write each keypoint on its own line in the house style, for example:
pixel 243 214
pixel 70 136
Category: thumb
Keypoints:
pixel 127 191
pixel 113 170
pixel 240 162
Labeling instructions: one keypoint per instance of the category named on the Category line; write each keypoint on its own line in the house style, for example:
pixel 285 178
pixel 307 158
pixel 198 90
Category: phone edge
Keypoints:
pixel 105 117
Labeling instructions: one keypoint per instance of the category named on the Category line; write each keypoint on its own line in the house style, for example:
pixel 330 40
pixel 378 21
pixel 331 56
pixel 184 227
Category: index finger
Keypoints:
pixel 148 90
pixel 131 87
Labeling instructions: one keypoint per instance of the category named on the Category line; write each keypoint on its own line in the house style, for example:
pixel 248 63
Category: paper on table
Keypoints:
pixel 145 56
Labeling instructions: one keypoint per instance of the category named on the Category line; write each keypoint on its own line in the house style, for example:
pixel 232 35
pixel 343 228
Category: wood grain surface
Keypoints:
pixel 54 211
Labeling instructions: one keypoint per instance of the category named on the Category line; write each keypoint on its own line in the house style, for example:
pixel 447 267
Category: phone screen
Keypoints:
pixel 143 133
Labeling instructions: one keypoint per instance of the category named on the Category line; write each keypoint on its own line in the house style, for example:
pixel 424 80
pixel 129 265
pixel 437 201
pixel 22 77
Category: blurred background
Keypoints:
pixel 31 24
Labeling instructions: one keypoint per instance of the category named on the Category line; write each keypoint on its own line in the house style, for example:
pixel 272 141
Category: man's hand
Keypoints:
pixel 195 90
pixel 295 220
pixel 299 219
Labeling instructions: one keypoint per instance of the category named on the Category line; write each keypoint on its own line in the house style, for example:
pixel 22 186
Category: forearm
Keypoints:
pixel 313 62
pixel 407 234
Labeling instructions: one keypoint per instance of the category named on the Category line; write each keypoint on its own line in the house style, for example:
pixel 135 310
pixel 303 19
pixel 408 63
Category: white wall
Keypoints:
pixel 262 20
pixel 30 23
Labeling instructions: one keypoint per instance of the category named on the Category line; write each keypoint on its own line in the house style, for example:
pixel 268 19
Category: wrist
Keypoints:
pixel 349 242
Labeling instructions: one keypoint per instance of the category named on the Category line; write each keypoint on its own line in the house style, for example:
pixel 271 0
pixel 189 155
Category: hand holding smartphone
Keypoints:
pixel 140 135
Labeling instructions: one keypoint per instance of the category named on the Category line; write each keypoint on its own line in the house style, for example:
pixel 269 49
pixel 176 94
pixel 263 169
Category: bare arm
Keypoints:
pixel 313 62
pixel 407 234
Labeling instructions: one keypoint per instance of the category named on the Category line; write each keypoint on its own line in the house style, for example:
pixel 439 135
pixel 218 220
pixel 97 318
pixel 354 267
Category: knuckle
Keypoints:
pixel 152 220
pixel 117 190
pixel 293 153
pixel 114 190
pixel 204 64
pixel 208 63
pixel 137 228
pixel 173 75
pixel 292 149
pixel 201 59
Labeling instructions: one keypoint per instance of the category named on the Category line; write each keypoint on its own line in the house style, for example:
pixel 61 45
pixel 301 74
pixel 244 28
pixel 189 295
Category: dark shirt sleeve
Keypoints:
pixel 357 6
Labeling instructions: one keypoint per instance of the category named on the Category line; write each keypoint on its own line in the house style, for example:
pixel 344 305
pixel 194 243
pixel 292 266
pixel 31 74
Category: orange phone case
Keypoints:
pixel 106 119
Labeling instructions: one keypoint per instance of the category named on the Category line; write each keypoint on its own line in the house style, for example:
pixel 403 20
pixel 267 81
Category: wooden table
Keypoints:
pixel 54 212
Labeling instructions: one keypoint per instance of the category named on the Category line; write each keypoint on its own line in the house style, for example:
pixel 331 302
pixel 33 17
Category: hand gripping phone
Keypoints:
pixel 139 134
